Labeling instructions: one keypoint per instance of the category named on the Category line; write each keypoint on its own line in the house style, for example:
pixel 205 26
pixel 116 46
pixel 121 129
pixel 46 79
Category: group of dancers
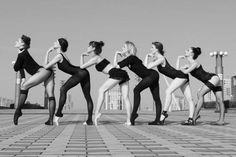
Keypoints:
pixel 128 58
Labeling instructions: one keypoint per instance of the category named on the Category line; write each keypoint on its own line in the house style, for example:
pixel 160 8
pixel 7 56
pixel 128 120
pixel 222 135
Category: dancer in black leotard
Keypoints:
pixel 180 80
pixel 39 75
pixel 150 79
pixel 211 82
pixel 116 76
pixel 78 76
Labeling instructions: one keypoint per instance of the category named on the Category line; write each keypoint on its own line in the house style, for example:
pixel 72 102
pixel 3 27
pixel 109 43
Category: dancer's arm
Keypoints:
pixel 47 55
pixel 56 59
pixel 127 61
pixel 18 66
pixel 89 63
pixel 187 70
pixel 145 63
pixel 177 62
pixel 155 63
pixel 116 58
pixel 19 62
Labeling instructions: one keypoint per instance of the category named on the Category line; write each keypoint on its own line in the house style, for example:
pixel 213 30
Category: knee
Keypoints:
pixel 200 95
pixel 102 90
pixel 63 89
pixel 168 92
pixel 125 97
pixel 136 90
pixel 219 99
pixel 189 100
pixel 25 86
pixel 50 94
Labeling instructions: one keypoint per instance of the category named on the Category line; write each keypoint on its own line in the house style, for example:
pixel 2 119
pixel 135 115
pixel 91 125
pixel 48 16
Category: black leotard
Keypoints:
pixel 78 76
pixel 67 67
pixel 171 72
pixel 102 65
pixel 25 61
pixel 135 65
pixel 150 79
pixel 201 74
pixel 204 76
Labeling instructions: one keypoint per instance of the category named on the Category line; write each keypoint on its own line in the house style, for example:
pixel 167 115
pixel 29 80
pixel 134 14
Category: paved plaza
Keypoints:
pixel 31 138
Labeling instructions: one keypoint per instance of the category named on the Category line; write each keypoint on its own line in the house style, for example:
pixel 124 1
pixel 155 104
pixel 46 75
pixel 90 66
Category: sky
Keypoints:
pixel 209 24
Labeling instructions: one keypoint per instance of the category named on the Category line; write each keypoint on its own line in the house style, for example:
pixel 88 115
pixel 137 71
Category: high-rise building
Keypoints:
pixel 227 88
pixel 113 99
pixel 233 88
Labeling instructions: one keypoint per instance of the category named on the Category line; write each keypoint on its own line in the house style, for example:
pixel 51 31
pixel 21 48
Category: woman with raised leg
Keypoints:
pixel 211 82
pixel 116 76
pixel 180 80
pixel 78 75
pixel 38 74
pixel 150 79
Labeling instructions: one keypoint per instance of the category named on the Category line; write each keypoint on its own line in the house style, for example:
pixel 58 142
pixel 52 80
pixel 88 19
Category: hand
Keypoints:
pixel 184 67
pixel 85 54
pixel 51 49
pixel 150 55
pixel 119 53
pixel 181 57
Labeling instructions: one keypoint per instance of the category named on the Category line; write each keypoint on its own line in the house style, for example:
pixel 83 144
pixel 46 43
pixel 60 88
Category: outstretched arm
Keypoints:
pixel 56 59
pixel 187 70
pixel 89 63
pixel 115 63
pixel 155 63
pixel 145 63
pixel 177 62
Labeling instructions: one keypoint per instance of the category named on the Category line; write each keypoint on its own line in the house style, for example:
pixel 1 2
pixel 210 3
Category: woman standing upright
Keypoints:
pixel 180 80
pixel 78 75
pixel 150 79
pixel 38 75
pixel 116 76
pixel 211 82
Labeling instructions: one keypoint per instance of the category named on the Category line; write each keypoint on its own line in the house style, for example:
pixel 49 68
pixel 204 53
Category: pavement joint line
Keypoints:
pixel 10 141
pixel 173 147
pixel 213 142
pixel 21 123
pixel 113 145
pixel 59 144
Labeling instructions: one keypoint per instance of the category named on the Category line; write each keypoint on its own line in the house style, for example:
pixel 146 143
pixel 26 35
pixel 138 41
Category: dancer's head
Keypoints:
pixel 129 48
pixel 61 43
pixel 193 52
pixel 23 42
pixel 157 47
pixel 95 47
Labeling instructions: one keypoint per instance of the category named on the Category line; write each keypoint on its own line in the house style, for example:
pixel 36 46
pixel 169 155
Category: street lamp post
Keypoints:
pixel 219 69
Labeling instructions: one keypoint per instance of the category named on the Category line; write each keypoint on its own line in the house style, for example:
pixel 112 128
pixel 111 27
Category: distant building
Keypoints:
pixel 178 103
pixel 113 99
pixel 227 88
pixel 5 102
pixel 233 88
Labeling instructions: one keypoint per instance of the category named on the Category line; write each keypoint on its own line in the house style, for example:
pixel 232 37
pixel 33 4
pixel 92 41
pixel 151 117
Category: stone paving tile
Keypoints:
pixel 112 138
